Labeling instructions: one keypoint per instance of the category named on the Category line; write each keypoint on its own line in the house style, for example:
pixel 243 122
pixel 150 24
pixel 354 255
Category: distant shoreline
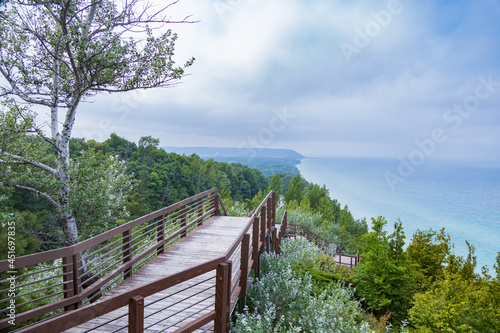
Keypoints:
pixel 461 197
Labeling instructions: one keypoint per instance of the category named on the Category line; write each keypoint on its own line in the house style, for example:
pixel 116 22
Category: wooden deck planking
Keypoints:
pixel 209 241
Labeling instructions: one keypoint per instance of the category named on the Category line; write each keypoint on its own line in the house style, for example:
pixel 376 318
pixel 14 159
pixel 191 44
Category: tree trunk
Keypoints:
pixel 68 220
pixel 69 224
pixel 62 141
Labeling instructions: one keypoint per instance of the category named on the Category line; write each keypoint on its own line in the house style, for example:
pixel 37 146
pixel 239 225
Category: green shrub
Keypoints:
pixel 286 300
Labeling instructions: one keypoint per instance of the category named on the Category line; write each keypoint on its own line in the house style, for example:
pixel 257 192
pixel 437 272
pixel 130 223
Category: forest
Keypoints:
pixel 399 286
pixel 268 161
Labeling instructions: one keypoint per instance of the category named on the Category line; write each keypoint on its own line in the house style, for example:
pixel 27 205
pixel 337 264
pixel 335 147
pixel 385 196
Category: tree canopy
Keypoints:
pixel 55 55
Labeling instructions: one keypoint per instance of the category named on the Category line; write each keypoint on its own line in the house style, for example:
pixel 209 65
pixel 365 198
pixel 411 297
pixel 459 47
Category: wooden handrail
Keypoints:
pixel 119 265
pixel 76 317
pixel 324 245
pixel 223 302
pixel 224 211
pixel 36 258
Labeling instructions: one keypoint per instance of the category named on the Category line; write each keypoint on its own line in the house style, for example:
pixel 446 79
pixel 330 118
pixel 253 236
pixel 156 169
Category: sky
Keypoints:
pixel 330 78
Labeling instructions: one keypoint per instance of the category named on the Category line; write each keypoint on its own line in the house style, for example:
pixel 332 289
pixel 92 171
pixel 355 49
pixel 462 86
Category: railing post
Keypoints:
pixel 160 234
pixel 285 219
pixel 274 208
pixel 222 297
pixel 200 209
pixel 255 246
pixel 68 279
pixel 263 226
pixel 281 234
pixel 278 243
pixel 127 252
pixel 216 205
pixel 269 214
pixel 229 284
pixel 136 315
pixel 77 275
pixel 245 247
pixel 183 220
pixel 273 247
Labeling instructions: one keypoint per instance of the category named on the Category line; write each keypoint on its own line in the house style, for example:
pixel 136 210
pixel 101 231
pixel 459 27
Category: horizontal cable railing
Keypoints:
pixel 51 282
pixel 216 285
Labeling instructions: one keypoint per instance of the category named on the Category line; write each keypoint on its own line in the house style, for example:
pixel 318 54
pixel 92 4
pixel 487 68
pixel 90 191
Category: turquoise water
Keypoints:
pixel 462 197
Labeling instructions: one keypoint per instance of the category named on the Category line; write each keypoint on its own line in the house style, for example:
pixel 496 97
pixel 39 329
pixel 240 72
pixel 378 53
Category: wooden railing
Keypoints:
pixel 344 259
pixel 116 254
pixel 279 235
pixel 71 277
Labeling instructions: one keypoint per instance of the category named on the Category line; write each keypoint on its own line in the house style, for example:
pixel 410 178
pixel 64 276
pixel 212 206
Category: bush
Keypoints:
pixel 458 305
pixel 284 301
pixel 311 220
pixel 299 250
pixel 238 209
pixel 383 277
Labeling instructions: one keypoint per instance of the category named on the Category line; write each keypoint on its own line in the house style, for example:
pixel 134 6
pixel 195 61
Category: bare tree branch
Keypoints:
pixel 19 92
pixel 22 160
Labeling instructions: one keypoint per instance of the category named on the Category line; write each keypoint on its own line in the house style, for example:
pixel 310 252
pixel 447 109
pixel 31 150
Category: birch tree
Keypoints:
pixel 54 55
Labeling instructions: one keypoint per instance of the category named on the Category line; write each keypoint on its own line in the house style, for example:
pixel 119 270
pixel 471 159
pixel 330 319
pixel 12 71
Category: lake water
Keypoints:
pixel 462 197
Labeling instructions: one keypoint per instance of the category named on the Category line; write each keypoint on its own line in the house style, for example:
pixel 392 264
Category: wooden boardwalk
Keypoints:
pixel 179 269
pixel 168 310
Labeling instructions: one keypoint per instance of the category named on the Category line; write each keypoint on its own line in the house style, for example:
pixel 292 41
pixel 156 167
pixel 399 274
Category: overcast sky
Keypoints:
pixel 325 78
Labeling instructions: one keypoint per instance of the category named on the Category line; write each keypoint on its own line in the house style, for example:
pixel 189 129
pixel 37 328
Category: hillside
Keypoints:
pixel 268 161
pixel 213 152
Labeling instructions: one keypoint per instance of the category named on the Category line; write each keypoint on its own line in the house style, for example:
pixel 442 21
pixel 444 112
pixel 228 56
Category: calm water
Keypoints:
pixel 463 198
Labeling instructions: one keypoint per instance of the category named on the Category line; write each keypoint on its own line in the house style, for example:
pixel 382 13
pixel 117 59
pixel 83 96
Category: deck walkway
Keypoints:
pixel 184 268
pixel 162 310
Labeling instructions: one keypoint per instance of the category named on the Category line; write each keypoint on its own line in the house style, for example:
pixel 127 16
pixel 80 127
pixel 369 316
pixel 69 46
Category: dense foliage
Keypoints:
pixel 383 278
pixel 421 287
pixel 286 301
pixel 311 205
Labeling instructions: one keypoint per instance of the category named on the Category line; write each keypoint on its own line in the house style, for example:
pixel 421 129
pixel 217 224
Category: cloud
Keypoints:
pixel 253 57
